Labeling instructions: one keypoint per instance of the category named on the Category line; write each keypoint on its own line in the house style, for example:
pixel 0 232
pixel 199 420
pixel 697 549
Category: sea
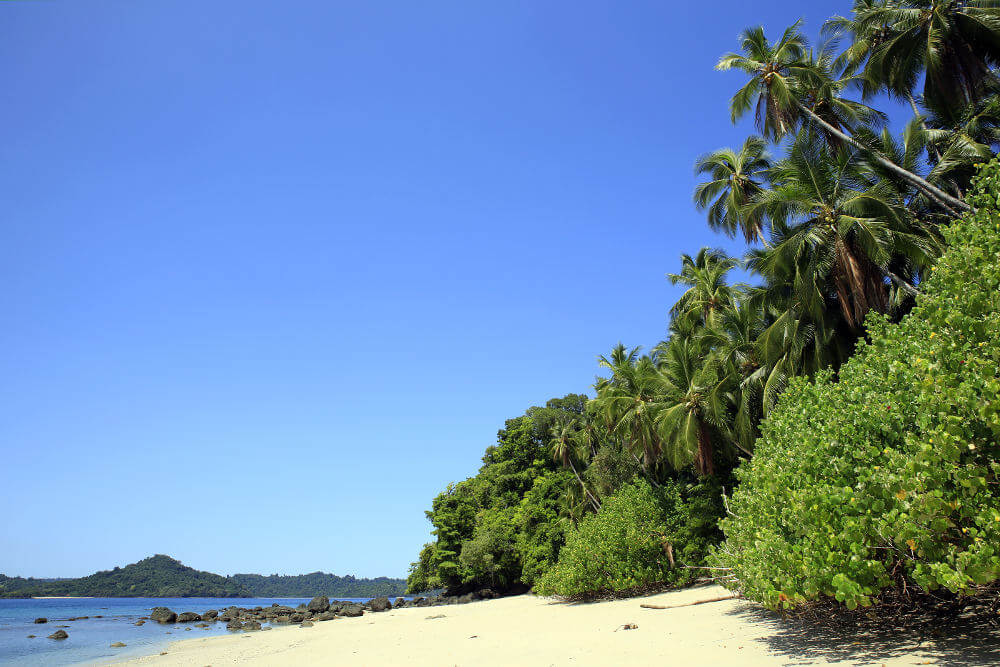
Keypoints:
pixel 110 620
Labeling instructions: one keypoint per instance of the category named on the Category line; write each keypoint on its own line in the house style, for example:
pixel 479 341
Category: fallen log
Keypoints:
pixel 691 604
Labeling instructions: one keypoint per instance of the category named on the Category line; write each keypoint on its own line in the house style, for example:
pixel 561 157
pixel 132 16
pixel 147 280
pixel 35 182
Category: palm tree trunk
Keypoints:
pixel 943 198
pixel 705 464
pixel 593 501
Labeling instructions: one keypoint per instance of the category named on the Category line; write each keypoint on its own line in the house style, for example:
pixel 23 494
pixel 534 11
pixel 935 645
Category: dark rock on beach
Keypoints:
pixel 59 634
pixel 325 616
pixel 380 604
pixel 251 626
pixel 319 603
pixel 234 625
pixel 162 615
pixel 188 616
pixel 41 620
pixel 118 645
pixel 209 615
pixel 352 610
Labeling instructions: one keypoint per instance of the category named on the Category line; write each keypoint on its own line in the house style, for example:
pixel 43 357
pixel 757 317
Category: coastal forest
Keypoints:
pixel 829 430
pixel 161 576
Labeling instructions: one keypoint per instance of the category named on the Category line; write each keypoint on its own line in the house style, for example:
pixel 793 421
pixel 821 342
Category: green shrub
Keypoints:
pixel 887 475
pixel 624 546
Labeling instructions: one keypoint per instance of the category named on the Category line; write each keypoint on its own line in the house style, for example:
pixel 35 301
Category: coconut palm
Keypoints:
pixel 708 293
pixel 694 407
pixel 563 449
pixel 963 136
pixel 839 226
pixel 952 43
pixel 736 178
pixel 783 79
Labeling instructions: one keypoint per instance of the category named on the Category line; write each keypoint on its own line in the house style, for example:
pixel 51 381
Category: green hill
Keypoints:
pixel 319 583
pixel 162 576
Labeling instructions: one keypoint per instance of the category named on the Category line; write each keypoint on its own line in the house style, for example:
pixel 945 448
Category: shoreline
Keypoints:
pixel 529 630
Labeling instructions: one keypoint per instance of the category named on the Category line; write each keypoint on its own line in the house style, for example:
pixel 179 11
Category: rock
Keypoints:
pixel 380 604
pixel 319 603
pixel 31 636
pixel 302 607
pixel 325 616
pixel 306 624
pixel 487 594
pixel 399 603
pixel 250 626
pixel 59 634
pixel 140 622
pixel 420 602
pixel 41 620
pixel 234 625
pixel 283 619
pixel 188 616
pixel 118 645
pixel 267 627
pixel 209 615
pixel 297 618
pixel 351 610
pixel 162 615
pixel 467 598
pixel 202 625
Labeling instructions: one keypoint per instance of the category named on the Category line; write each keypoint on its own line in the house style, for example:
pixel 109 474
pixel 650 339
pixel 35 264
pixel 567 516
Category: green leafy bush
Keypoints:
pixel 625 545
pixel 888 474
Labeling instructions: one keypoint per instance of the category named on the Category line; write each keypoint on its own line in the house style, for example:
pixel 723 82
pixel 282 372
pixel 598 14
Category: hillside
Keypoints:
pixel 162 576
pixel 318 583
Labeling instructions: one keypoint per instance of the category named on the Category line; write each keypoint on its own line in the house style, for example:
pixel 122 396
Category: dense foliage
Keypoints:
pixel 640 537
pixel 889 475
pixel 162 576
pixel 844 221
pixel 317 583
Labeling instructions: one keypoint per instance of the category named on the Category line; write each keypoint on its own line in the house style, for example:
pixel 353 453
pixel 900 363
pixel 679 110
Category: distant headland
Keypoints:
pixel 163 576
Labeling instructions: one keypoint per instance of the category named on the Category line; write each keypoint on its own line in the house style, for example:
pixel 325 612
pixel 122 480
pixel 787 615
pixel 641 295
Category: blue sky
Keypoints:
pixel 274 273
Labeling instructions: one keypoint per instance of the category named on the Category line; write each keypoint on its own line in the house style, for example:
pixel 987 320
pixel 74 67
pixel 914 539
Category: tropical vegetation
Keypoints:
pixel 842 403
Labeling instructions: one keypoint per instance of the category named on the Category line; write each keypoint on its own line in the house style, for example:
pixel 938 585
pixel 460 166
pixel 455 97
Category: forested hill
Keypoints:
pixel 318 583
pixel 162 576
pixel 156 576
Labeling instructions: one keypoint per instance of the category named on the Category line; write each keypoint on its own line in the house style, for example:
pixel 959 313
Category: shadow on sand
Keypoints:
pixel 971 638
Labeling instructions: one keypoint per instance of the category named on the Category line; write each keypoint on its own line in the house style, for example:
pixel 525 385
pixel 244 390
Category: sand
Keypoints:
pixel 527 630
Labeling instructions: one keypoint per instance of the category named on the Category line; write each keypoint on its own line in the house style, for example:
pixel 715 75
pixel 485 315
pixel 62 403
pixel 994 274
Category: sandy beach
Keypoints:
pixel 527 630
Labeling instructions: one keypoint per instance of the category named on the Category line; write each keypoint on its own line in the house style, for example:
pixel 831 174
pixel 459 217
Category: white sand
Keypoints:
pixel 526 630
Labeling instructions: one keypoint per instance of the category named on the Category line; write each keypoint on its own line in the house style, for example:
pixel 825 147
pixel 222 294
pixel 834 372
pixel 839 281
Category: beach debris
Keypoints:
pixel 162 615
pixel 627 626
pixel 163 653
pixel 41 619
pixel 31 636
pixel 435 616
pixel 119 645
pixel 59 634
pixel 691 604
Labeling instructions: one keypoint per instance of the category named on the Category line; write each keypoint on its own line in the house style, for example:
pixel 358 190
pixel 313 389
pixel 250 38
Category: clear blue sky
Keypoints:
pixel 274 273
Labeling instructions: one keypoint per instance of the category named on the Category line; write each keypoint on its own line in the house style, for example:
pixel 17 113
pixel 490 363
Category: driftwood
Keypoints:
pixel 691 604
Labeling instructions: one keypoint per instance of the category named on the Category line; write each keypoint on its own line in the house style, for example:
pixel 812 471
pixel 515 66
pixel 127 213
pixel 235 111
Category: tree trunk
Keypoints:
pixel 704 458
pixel 943 198
pixel 590 496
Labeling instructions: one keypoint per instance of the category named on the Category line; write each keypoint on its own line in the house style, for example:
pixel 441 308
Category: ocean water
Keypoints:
pixel 90 639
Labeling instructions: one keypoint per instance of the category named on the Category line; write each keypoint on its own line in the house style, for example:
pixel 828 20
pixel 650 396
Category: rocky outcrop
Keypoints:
pixel 41 620
pixel 318 604
pixel 209 615
pixel 188 617
pixel 380 604
pixel 162 615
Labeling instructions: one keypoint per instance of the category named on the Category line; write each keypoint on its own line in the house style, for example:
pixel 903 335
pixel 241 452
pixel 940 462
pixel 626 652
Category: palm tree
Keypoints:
pixel 779 75
pixel 694 407
pixel 736 178
pixel 627 401
pixel 708 293
pixel 963 136
pixel 842 223
pixel 953 43
pixel 562 448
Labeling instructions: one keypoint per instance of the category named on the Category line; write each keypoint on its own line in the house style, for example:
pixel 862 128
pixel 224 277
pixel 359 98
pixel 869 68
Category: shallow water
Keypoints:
pixel 90 639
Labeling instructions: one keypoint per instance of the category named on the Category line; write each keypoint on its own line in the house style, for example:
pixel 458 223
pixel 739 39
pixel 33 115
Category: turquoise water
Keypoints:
pixel 90 639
